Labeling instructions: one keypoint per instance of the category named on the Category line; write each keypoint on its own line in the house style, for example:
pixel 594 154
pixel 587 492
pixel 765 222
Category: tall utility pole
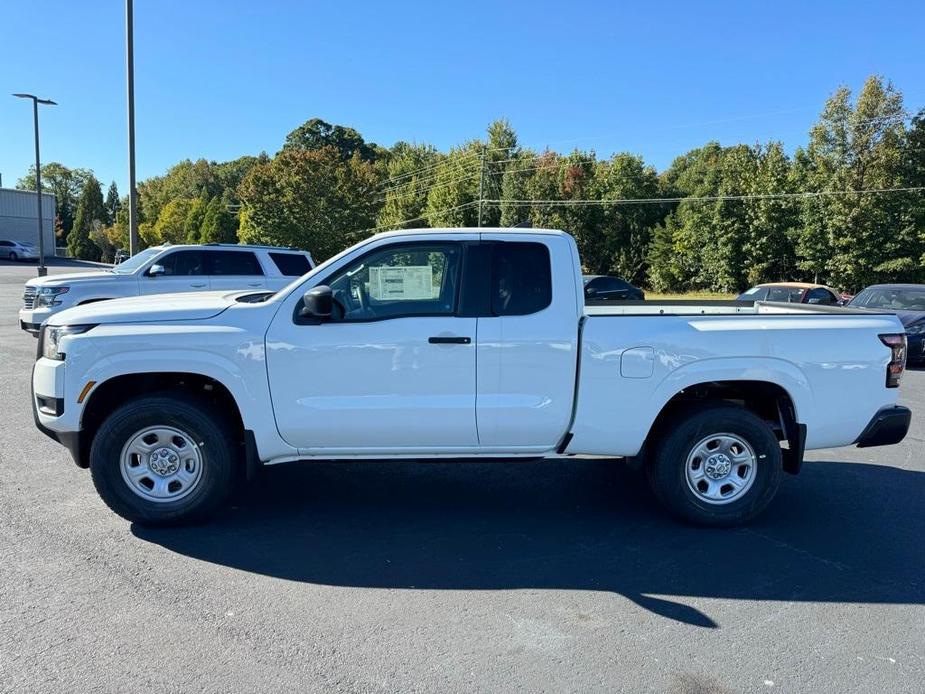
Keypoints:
pixel 481 184
pixel 130 74
pixel 38 173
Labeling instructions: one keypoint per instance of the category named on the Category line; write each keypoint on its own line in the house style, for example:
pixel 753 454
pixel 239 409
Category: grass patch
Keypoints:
pixel 691 296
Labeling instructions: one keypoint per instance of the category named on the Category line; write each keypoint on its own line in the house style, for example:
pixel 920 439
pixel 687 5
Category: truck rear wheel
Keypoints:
pixel 717 466
pixel 163 460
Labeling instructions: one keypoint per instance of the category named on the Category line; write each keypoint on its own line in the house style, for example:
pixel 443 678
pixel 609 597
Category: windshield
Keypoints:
pixel 892 298
pixel 136 261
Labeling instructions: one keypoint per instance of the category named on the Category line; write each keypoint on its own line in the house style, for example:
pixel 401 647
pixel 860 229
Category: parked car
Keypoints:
pixel 165 270
pixel 794 293
pixel 908 302
pixel 603 288
pixel 18 250
pixel 458 344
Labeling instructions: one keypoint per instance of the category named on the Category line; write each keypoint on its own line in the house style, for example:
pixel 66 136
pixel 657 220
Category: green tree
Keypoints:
pixel 113 203
pixel 410 171
pixel 91 215
pixel 316 134
pixel 170 226
pixel 67 184
pixel 452 196
pixel 192 226
pixel 850 240
pixel 218 224
pixel 310 199
pixel 769 253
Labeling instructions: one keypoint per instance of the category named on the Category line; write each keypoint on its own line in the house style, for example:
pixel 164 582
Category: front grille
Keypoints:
pixel 28 297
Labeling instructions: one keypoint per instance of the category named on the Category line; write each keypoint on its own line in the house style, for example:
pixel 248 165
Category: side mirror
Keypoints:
pixel 156 270
pixel 590 291
pixel 318 302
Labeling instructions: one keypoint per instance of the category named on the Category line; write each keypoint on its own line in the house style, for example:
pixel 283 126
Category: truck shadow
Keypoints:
pixel 840 532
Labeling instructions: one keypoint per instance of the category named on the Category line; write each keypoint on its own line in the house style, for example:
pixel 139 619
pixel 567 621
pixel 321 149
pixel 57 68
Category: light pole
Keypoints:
pixel 130 88
pixel 38 173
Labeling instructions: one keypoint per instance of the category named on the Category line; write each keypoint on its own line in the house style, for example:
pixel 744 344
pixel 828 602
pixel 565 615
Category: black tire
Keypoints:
pixel 668 478
pixel 216 445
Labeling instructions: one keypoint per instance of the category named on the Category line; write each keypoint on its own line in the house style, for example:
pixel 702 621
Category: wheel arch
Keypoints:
pixel 769 400
pixel 122 388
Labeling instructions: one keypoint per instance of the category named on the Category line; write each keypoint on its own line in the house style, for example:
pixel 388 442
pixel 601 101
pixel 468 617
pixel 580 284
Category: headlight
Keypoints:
pixel 52 335
pixel 917 329
pixel 47 296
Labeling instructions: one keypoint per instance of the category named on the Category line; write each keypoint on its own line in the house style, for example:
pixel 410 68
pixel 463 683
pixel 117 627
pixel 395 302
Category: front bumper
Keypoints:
pixel 31 320
pixel 53 417
pixel 890 425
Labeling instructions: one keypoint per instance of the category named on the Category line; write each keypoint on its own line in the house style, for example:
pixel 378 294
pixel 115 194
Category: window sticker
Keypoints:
pixel 401 283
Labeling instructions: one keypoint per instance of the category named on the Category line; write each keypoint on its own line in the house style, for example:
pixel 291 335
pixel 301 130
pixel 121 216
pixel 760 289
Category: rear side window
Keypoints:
pixel 291 264
pixel 521 278
pixel 234 263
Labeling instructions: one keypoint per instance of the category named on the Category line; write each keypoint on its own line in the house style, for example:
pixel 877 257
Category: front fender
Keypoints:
pixel 231 356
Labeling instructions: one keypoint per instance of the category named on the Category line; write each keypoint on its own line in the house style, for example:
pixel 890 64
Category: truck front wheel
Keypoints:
pixel 163 460
pixel 717 466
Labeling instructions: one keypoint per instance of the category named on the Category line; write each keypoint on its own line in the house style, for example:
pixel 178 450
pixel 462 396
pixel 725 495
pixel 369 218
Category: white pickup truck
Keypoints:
pixel 459 344
pixel 164 270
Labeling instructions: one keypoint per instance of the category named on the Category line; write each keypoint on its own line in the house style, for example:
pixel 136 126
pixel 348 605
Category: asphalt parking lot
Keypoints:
pixel 556 576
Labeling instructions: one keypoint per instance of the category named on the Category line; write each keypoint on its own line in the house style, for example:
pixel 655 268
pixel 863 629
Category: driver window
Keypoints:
pixel 405 280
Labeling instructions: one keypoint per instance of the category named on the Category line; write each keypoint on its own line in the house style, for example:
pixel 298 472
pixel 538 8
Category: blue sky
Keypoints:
pixel 222 79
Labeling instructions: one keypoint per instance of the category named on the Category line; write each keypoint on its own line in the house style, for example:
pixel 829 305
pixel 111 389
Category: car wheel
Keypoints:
pixel 163 460
pixel 718 466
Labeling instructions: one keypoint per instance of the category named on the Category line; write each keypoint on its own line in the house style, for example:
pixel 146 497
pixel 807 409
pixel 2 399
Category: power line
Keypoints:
pixel 429 167
pixel 387 227
pixel 460 169
pixel 710 198
pixel 426 190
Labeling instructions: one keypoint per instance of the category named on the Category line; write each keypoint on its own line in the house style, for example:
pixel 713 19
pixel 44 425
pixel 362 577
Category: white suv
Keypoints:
pixel 165 270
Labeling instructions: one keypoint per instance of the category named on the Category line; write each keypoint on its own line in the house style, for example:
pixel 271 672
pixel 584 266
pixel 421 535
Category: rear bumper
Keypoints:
pixel 890 425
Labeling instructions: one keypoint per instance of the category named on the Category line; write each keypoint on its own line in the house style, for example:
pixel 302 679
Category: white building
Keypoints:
pixel 18 220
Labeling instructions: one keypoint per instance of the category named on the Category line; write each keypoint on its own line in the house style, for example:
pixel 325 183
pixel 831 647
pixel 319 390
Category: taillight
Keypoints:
pixel 894 370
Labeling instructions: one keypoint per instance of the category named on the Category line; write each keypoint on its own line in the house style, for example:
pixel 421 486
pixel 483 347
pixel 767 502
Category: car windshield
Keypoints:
pixel 892 298
pixel 136 261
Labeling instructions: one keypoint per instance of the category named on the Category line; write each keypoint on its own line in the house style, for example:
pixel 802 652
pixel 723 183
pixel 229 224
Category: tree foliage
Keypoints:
pixel 91 216
pixel 67 184
pixel 719 218
pixel 310 199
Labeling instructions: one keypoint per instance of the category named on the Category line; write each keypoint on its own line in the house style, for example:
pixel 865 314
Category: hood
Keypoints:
pixel 910 318
pixel 70 278
pixel 155 308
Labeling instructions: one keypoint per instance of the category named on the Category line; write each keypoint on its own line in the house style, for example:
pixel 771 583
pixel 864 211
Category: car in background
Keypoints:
pixel 793 293
pixel 18 250
pixel 165 270
pixel 603 288
pixel 907 301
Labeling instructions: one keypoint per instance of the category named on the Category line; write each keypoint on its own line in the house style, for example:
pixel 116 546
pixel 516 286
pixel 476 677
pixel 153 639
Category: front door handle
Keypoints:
pixel 197 285
pixel 438 340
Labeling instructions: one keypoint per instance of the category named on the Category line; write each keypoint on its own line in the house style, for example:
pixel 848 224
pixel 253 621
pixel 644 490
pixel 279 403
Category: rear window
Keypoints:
pixel 234 263
pixel 521 279
pixel 291 264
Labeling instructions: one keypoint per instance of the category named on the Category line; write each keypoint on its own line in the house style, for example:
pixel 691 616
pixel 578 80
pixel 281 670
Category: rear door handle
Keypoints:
pixel 194 284
pixel 437 340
